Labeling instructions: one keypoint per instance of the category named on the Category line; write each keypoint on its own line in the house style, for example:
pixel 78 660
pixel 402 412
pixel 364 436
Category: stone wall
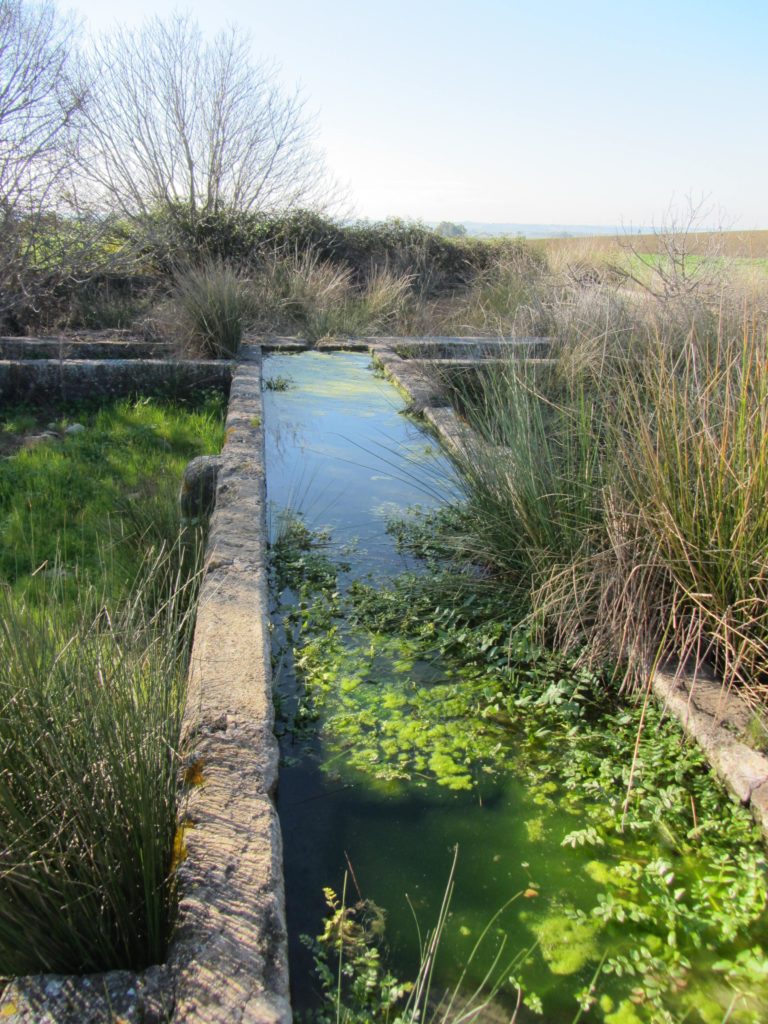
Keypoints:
pixel 83 348
pixel 229 957
pixel 44 381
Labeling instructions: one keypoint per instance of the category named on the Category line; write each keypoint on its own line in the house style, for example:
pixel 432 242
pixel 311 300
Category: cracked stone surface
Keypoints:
pixel 229 956
pixel 115 997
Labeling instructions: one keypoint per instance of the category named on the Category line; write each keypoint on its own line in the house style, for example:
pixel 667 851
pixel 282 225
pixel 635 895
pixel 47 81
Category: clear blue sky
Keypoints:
pixel 557 111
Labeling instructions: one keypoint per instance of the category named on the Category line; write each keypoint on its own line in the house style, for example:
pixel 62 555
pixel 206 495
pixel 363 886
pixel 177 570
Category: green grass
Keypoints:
pixel 97 587
pixel 95 500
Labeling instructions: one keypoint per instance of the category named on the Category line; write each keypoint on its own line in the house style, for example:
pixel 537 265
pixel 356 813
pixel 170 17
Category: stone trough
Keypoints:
pixel 228 960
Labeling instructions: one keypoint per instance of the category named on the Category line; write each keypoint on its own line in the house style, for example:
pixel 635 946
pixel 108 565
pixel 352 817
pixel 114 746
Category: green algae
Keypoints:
pixel 426 704
pixel 567 943
pixel 427 720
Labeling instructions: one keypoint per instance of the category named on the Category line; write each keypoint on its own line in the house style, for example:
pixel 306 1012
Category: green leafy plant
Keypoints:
pixel 407 688
pixel 358 988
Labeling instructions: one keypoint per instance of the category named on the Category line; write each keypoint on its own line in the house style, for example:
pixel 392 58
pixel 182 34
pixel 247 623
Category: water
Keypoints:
pixel 340 453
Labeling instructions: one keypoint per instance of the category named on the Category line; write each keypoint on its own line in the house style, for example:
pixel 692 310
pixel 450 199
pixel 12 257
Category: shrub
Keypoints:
pixel 208 309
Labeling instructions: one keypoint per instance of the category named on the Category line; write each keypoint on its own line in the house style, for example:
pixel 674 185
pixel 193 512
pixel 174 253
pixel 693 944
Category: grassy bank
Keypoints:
pixel 96 606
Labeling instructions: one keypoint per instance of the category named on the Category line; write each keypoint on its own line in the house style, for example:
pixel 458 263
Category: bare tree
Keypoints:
pixel 40 98
pixel 688 261
pixel 178 120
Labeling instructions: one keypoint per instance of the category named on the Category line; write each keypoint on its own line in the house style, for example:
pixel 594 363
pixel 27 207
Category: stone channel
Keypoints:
pixel 228 961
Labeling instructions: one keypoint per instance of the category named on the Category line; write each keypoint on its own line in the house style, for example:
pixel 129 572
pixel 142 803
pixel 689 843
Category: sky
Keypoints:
pixel 532 112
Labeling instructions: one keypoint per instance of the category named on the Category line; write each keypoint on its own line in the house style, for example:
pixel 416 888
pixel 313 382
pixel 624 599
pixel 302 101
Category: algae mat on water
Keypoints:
pixel 421 720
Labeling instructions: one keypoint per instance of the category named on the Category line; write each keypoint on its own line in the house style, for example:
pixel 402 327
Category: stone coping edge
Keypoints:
pixel 229 955
pixel 705 709
pixel 708 713
pixel 83 348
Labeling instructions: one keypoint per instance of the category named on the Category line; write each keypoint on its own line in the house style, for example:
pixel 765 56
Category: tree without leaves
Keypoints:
pixel 39 98
pixel 178 122
pixel 688 262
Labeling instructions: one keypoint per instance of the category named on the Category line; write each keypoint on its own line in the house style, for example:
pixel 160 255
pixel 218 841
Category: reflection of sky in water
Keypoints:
pixel 339 452
pixel 336 453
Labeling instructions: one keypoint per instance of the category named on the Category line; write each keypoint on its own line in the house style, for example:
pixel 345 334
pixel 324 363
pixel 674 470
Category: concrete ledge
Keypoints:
pixel 343 345
pixel 422 389
pixel 37 381
pixel 82 348
pixel 471 347
pixel 716 719
pixel 229 956
pixel 143 998
pixel 277 343
pixel 453 433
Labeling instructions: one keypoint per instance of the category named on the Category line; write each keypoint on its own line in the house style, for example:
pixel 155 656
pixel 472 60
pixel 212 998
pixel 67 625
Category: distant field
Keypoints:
pixel 749 245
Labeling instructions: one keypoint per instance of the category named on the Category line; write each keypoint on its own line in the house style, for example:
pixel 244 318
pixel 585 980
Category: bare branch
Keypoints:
pixel 39 98
pixel 180 120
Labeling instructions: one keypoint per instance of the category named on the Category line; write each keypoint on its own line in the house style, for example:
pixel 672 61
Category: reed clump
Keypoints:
pixel 208 309
pixel 621 494
pixel 306 294
pixel 90 730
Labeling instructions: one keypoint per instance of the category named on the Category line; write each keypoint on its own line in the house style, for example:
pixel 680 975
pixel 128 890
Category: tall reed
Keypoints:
pixel 318 299
pixel 89 728
pixel 694 459
pixel 626 508
pixel 532 475
pixel 209 308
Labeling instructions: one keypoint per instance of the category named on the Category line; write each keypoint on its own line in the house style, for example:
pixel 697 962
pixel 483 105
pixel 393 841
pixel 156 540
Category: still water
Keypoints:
pixel 340 453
